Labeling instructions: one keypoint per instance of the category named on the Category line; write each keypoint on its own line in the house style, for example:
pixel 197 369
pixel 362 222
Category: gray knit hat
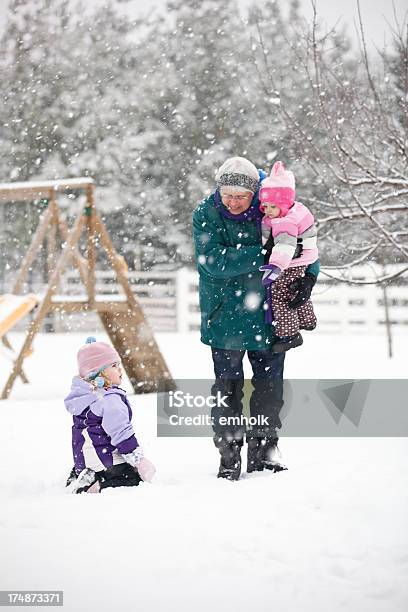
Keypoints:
pixel 238 172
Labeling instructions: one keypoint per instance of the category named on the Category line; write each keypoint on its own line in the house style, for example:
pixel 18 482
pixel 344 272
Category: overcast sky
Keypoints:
pixel 375 12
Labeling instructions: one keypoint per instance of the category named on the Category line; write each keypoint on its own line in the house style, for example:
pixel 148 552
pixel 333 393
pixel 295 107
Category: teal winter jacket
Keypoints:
pixel 228 255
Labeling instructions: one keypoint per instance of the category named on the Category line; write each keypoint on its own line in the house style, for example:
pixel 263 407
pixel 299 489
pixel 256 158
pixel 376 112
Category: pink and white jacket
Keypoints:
pixel 297 223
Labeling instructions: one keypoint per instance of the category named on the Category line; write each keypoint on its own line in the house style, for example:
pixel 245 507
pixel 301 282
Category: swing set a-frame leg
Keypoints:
pixel 45 306
pixel 38 238
pixel 133 337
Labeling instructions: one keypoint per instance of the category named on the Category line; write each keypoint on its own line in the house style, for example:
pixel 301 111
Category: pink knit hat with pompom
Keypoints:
pixel 94 357
pixel 278 188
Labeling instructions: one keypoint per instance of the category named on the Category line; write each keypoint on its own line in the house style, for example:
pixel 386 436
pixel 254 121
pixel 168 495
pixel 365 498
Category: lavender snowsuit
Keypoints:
pixel 102 432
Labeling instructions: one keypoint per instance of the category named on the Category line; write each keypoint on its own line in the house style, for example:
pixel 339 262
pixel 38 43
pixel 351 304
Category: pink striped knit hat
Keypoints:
pixel 94 357
pixel 278 188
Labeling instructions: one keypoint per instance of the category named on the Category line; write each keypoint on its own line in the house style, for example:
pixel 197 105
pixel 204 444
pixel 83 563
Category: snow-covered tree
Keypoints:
pixel 151 108
pixel 349 129
pixel 72 92
pixel 202 115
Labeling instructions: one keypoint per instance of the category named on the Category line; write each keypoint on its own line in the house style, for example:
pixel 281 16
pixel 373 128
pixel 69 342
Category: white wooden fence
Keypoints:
pixel 359 309
pixel 170 302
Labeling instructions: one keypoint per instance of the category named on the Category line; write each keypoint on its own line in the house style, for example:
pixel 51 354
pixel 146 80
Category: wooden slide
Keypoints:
pixel 141 362
pixel 13 308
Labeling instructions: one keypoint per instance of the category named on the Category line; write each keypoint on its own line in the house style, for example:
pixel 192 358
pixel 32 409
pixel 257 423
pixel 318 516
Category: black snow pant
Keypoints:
pixel 121 475
pixel 267 396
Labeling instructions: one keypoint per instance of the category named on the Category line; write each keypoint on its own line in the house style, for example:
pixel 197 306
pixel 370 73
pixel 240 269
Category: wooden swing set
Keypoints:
pixel 123 320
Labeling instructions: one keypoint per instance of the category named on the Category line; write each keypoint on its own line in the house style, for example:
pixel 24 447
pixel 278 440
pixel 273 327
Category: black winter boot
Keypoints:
pixel 72 476
pixel 230 451
pixel 255 454
pixel 84 481
pixel 272 458
pixel 285 344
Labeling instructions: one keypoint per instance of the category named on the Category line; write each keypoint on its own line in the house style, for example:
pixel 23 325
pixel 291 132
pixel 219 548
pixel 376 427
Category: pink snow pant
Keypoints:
pixel 289 321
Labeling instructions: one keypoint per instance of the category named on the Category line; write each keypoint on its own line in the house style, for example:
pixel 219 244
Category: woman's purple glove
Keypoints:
pixel 146 469
pixel 271 273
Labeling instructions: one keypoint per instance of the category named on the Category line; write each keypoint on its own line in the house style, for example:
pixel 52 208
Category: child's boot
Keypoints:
pixel 286 343
pixel 72 476
pixel 84 481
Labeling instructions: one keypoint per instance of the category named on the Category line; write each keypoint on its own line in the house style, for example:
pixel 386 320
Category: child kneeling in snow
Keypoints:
pixel 106 452
pixel 289 227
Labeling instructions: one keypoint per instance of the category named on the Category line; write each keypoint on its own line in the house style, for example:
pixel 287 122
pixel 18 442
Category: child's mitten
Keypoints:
pixel 146 469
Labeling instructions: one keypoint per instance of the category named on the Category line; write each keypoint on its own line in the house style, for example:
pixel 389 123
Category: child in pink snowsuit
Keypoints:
pixel 291 227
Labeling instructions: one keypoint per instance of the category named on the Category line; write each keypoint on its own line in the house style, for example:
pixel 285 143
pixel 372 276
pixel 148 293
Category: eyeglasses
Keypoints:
pixel 238 198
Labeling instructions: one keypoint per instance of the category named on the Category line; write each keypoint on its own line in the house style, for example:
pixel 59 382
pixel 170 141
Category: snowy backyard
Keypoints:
pixel 331 532
pixel 213 166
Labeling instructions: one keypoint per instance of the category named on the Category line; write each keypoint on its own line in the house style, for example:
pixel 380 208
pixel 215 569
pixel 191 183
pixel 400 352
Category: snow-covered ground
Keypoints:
pixel 330 533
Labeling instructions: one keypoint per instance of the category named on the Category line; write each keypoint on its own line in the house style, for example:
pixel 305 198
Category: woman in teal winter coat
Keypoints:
pixel 229 254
